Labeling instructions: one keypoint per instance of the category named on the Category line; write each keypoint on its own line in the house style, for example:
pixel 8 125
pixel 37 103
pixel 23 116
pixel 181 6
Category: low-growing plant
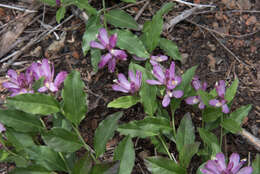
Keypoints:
pixel 40 120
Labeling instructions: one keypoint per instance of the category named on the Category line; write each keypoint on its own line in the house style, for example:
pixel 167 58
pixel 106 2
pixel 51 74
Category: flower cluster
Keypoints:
pixel 221 91
pixel 123 85
pixel 218 165
pixel 169 79
pixel 196 99
pixel 154 60
pixel 108 43
pixel 22 83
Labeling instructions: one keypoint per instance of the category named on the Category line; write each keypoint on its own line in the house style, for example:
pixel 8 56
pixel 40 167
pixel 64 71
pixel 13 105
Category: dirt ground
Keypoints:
pixel 224 42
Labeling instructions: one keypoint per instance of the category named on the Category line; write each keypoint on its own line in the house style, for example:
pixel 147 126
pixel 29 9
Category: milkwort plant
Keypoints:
pixel 37 146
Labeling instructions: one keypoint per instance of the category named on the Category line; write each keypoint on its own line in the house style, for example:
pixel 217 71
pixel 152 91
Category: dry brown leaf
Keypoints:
pixel 252 20
pixel 212 62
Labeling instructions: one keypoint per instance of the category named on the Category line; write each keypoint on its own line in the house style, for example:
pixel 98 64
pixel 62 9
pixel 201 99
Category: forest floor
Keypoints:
pixel 224 42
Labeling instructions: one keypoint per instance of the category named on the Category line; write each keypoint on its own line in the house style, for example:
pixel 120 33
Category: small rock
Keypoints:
pixel 185 57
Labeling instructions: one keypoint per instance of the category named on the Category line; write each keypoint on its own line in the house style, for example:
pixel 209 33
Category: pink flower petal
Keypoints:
pixel 10 85
pixel 46 68
pixel 245 170
pixel 158 73
pixel 153 82
pixel 103 36
pixel 234 160
pixel 43 89
pixel 139 58
pixel 60 78
pixel 225 109
pixel 215 103
pixel 220 88
pixel 120 54
pixel 2 128
pixel 166 100
pixel 177 93
pixel 95 44
pixel 112 65
pixel 211 166
pixel 201 105
pixel 192 100
pixel 220 160
pixel 119 88
pixel 123 81
pixel 113 40
pixel 104 60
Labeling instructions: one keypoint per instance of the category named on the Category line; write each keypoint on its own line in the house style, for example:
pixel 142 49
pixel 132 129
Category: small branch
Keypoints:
pixel 17 8
pixel 250 138
pixel 195 5
pixel 142 10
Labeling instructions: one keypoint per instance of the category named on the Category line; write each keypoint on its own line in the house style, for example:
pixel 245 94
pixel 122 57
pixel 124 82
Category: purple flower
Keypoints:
pixel 108 43
pixel 221 90
pixel 2 128
pixel 218 165
pixel 196 99
pixel 44 69
pixel 123 85
pixel 154 60
pixel 58 2
pixel 169 79
pixel 19 84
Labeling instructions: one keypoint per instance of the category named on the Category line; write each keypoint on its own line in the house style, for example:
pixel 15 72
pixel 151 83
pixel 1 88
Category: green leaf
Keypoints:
pixel 153 29
pixel 19 140
pixel 83 165
pixel 163 165
pixel 105 168
pixel 147 92
pixel 201 167
pixel 105 131
pixel 49 2
pixel 130 42
pixel 158 145
pixel 46 157
pixel 37 84
pixel 84 5
pixel 185 133
pixel 231 91
pixel 186 80
pixel 239 114
pixel 187 152
pixel 92 27
pixel 124 102
pixel 207 137
pixel 20 121
pixel 170 48
pixel 95 58
pixel 120 18
pixel 74 97
pixel 210 114
pixel 256 164
pixel 231 125
pixel 125 153
pixel 148 127
pixel 205 97
pixel 34 169
pixel 62 140
pixel 60 14
pixel 35 103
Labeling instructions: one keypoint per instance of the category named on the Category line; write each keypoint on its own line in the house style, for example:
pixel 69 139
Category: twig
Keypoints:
pixel 18 8
pixel 250 138
pixel 142 10
pixel 223 34
pixel 195 5
pixel 185 14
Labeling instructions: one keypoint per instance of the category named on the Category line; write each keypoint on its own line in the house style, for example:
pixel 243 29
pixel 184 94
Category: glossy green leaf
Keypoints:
pixel 170 48
pixel 239 114
pixel 256 164
pixel 125 153
pixel 92 28
pixel 207 136
pixel 47 158
pixel 120 18
pixel 105 131
pixel 83 165
pixel 211 114
pixel 231 125
pixel 130 42
pixel 60 14
pixel 186 80
pixel 231 91
pixel 149 126
pixel 153 29
pixel 20 121
pixel 185 133
pixel 62 140
pixel 105 168
pixel 163 166
pixel 34 103
pixel 124 102
pixel 95 58
pixel 74 97
pixel 34 169
pixel 84 5
pixel 147 92
pixel 187 152
pixel 19 140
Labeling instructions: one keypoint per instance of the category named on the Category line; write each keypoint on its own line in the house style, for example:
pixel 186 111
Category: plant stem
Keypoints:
pixel 173 126
pixel 9 151
pixel 87 147
pixel 165 147
pixel 221 133
pixel 104 11
pixel 66 164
